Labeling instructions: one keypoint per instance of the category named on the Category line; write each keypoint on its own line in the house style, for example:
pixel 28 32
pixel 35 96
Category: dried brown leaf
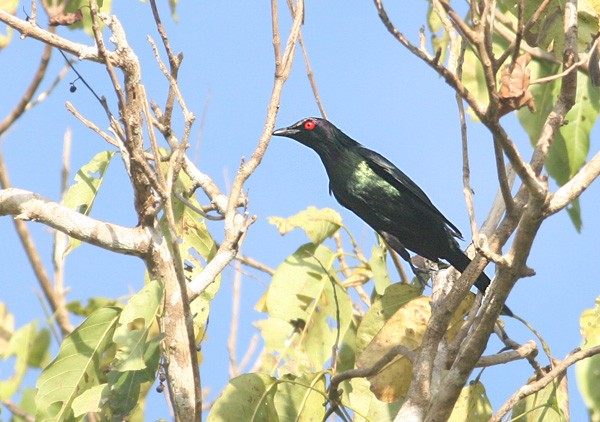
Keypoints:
pixel 406 327
pixel 66 19
pixel 514 90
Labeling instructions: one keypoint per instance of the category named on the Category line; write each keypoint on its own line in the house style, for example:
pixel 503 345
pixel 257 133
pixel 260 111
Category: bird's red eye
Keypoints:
pixel 309 125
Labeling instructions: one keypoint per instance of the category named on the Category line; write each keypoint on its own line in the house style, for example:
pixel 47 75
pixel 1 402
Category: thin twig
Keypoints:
pixel 467 190
pixel 473 36
pixel 161 187
pixel 373 369
pixel 174 63
pixel 103 52
pixel 33 16
pixel 520 31
pixel 201 127
pixel 250 262
pixel 113 121
pixel 532 388
pixel 515 44
pixel 234 370
pixel 62 316
pixel 538 53
pixel 276 37
pixel 309 72
pixel 347 272
pixel 510 343
pixel 341 255
pixel 453 47
pixel 236 224
pixel 574 187
pixel 527 350
pixel 498 206
pixel 581 63
pixel 196 209
pixel 17 411
pixel 254 342
pixel 43 95
pixel 502 177
pixel 91 125
pixel 21 106
pixel 60 239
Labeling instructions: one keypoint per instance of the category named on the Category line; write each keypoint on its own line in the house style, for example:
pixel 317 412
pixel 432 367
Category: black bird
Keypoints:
pixel 377 191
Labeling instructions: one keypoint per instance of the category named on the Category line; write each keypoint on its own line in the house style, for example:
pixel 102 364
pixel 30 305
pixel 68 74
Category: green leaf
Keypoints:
pixel 590 323
pixel 569 151
pixel 127 386
pixel 9 6
pixel 406 327
pixel 7 327
pixel 298 398
pixel 82 194
pixel 77 366
pixel 366 405
pixel 249 397
pixel 191 227
pixel 438 42
pixel 301 293
pixel 91 400
pixel 474 80
pixel 86 23
pixel 134 324
pixel 5 39
pixel 20 345
pixel 39 353
pixel 547 33
pixel 544 94
pixel 571 144
pixel 542 406
pixel 317 224
pixel 196 246
pixel 27 403
pixel 282 344
pixel 394 297
pixel 378 265
pixel 472 405
pixel 588 370
pixel 93 304
pixel 588 380
pixel 575 142
pixel 297 282
pixel 574 210
pixel 172 5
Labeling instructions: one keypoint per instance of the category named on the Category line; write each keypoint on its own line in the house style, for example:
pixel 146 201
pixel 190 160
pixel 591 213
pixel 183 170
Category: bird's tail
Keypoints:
pixel 460 261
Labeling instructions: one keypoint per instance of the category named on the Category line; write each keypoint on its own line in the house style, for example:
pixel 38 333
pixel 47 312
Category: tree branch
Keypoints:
pixel 236 224
pixel 28 29
pixel 536 386
pixel 25 205
pixel 574 187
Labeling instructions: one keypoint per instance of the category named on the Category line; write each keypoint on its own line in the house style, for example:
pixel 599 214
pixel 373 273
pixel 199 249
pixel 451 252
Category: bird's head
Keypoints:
pixel 315 133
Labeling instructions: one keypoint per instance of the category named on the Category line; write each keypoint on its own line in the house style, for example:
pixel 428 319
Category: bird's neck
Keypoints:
pixel 339 153
pixel 340 163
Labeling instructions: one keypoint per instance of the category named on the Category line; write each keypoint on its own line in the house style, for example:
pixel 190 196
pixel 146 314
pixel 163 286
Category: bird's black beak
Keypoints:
pixel 286 131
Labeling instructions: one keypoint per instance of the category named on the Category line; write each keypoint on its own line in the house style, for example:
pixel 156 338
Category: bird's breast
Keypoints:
pixel 362 191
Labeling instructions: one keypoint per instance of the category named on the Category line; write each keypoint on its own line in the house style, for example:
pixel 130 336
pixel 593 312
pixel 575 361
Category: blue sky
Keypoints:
pixel 371 88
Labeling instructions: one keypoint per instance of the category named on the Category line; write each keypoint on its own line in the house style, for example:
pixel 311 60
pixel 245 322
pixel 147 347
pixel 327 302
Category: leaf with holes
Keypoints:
pixel 318 224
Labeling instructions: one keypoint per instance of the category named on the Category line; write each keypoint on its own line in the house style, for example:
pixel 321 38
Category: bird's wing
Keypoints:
pixel 385 169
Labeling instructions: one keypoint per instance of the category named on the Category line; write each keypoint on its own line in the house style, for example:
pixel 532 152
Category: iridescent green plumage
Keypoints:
pixel 383 196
